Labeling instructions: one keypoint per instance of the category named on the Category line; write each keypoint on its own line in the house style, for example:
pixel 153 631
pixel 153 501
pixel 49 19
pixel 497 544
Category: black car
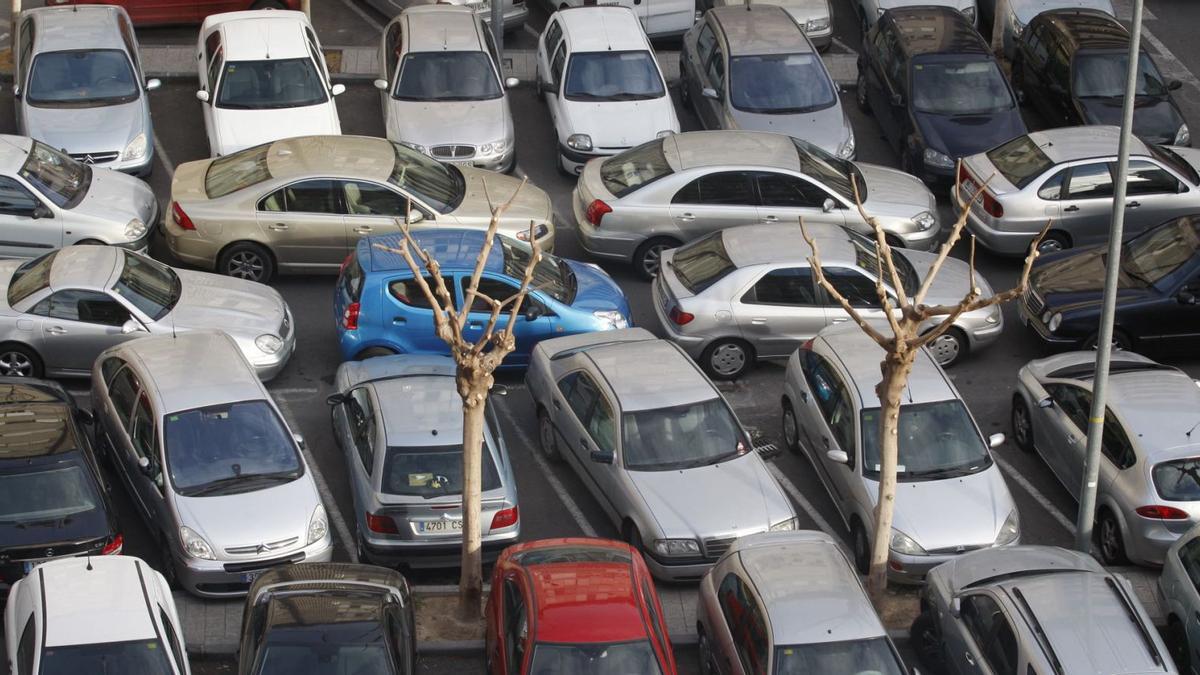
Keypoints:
pixel 54 501
pixel 935 89
pixel 1070 65
pixel 328 619
pixel 1158 302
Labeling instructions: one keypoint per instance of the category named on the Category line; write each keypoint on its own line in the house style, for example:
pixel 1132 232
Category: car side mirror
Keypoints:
pixel 533 312
pixel 828 205
pixel 897 99
pixel 335 399
pixel 202 96
pixel 337 89
pixel 499 390
pixel 414 217
pixel 1173 85
pixel 153 83
pixel 16 91
pixel 510 82
pixel 603 457
pixel 299 440
pixel 1186 298
pixel 709 92
pixel 1046 402
pixel 995 440
pixel 838 456
pixel 132 326
pixel 41 211
pixel 86 417
pixel 145 467
pixel 381 85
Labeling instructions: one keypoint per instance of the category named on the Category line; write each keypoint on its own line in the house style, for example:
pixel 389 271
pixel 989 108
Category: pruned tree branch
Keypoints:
pixel 955 233
pixel 814 262
pixel 481 259
pixel 883 250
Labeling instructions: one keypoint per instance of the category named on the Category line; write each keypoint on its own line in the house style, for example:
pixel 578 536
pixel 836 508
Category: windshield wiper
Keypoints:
pixel 228 481
pixel 945 472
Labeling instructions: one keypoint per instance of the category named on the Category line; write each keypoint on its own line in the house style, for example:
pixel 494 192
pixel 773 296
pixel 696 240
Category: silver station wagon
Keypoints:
pixel 749 293
pixel 656 444
pixel 398 420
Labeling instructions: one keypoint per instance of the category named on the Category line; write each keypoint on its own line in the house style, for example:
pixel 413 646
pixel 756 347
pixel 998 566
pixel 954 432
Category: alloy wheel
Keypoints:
pixel 16 364
pixel 1022 428
pixel 245 265
pixel 652 259
pixel 791 434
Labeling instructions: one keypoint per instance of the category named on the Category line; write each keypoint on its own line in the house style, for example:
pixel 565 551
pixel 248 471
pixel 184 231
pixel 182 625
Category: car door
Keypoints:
pixel 371 208
pixel 1175 322
pixel 829 424
pixel 28 227
pixel 304 224
pixel 406 315
pixel 1086 207
pixel 586 420
pixel 1061 433
pixel 1152 196
pixel 390 51
pixel 355 426
pixel 780 310
pixel 515 632
pixel 984 641
pixel 785 198
pixel 694 62
pixel 714 202
pixel 547 45
pixel 744 647
pixel 76 325
pixel 1059 109
pixel 887 83
pixel 1033 56
pixel 552 88
pixel 536 323
pixel 858 289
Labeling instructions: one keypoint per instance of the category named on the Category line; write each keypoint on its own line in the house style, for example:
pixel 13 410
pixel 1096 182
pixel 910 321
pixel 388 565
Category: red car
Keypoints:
pixel 173 12
pixel 577 607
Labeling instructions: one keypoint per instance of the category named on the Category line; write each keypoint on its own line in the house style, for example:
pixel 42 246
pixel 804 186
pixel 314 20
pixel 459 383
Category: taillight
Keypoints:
pixel 596 211
pixel 350 317
pixel 381 524
pixel 505 518
pixel 993 207
pixel 180 218
pixel 345 262
pixel 680 317
pixel 1160 512
pixel 807 346
pixel 989 203
pixel 114 545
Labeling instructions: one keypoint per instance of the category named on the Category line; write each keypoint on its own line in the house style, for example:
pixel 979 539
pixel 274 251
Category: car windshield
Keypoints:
pixel 552 276
pixel 1103 75
pixel 447 76
pixel 229 448
pixel 959 87
pixel 866 257
pixel 441 186
pixel 613 76
pixel 330 649
pixel 635 168
pixel 702 263
pixel 149 285
pixel 84 78
pixel 432 471
pixel 1178 480
pixel 46 494
pixel 780 84
pixel 681 437
pixel 1159 252
pixel 835 173
pixel 937 440
pixel 144 657
pixel 851 657
pixel 238 171
pixel 30 277
pixel 59 178
pixel 272 84
pixel 573 553
pixel 1020 160
pixel 1172 159
pixel 621 658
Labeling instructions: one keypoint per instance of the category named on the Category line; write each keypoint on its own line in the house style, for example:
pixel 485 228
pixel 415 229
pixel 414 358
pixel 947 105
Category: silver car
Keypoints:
pixel 515 12
pixel 753 67
pixel 398 420
pixel 814 16
pixel 1180 588
pixel 633 206
pixel 869 11
pixel 209 461
pixel 60 310
pixel 790 602
pixel 831 415
pixel 749 293
pixel 80 86
pixel 442 88
pixel 48 200
pixel 1034 610
pixel 1149 491
pixel 654 441
pixel 1065 175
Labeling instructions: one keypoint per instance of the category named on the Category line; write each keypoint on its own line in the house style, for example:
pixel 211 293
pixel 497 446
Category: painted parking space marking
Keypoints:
pixel 1037 495
pixel 794 492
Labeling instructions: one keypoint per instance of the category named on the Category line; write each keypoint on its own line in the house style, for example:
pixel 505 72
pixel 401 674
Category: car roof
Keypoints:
pixel 586 602
pixel 13 152
pixel 992 565
pixel 935 29
pixel 455 249
pixel 1067 144
pixel 1087 28
pixel 84 266
pixel 193 369
pixel 1157 406
pixel 441 27
pixel 767 243
pixel 362 157
pixel 36 419
pixel 261 35
pixel 420 410
pixel 860 356
pixel 760 29
pixel 106 603
pixel 650 374
pixel 601 28
pixel 695 149
pixel 76 27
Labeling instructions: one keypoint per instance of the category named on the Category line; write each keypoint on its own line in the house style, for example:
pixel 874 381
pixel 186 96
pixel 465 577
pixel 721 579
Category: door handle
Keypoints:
pixel 475 324
pixel 1071 209
pixel 56 330
pixel 278 227
pixel 804 396
pixel 1071 440
pixel 969 659
pixel 583 441
pixel 557 405
pixel 399 320
pixel 1133 205
pixel 839 320
pixel 758 321
pixel 770 219
pixel 362 229
pixel 687 217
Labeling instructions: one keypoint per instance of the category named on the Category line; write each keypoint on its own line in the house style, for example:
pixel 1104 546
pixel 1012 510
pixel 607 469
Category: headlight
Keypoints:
pixel 134 229
pixel 268 344
pixel 538 232
pixel 902 543
pixel 664 133
pixel 1010 531
pixel 579 142
pixel 925 220
pixel 994 317
pixel 318 525
pixel 815 25
pixel 194 545
pixel 1054 322
pixel 846 149
pixel 938 159
pixel 136 148
pixel 674 548
pixel 493 148
pixel 969 12
pixel 789 524
pixel 1183 136
pixel 413 146
pixel 612 317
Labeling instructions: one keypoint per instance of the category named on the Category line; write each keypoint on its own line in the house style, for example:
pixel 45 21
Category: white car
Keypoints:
pixel 604 88
pixel 262 78
pixel 659 18
pixel 73 614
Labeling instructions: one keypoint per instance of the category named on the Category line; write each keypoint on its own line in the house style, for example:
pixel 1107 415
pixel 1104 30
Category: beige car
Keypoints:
pixel 301 204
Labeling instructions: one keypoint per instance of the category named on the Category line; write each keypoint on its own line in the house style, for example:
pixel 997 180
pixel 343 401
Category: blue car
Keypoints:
pixel 380 309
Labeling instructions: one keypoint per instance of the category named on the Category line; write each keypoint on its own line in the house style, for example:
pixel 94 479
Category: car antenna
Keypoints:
pixel 89 563
pixel 1188 435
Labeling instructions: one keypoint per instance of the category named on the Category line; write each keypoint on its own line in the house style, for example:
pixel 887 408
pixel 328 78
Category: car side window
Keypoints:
pixel 582 398
pixel 786 286
pixel 1059 65
pixel 109 367
pixel 409 292
pixel 1052 188
pixel 1090 181
pixel 143 432
pixel 706 41
pixel 1147 178
pixel 215 65
pixel 26 54
pixel 516 626
pixel 991 632
pixel 895 66
pixel 1189 557
pixel 857 288
pixel 553 35
pixel 1037 46
pixel 602 426
pixel 490 43
pixel 496 289
pixel 122 391
pixel 211 44
pixel 1069 400
pixel 25 648
pixel 312 196
pixel 126 32
pixel 556 65
pixel 567 383
pixel 85 306
pixel 361 416
pixel 391 50
pixel 729 188
pixel 1114 444
pixel 372 199
pixel 172 639
pixel 832 399
pixel 745 622
pixel 15 200
pixel 716 69
pixel 778 189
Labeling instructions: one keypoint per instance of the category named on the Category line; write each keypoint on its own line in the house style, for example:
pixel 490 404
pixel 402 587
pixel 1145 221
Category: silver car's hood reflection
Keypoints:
pixel 431 123
pixel 947 513
pixel 115 196
pixel 234 305
pixel 273 514
pixel 894 193
pixel 106 128
pixel 685 502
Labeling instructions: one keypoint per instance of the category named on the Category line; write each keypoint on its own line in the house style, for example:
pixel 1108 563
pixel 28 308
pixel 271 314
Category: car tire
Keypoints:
pixel 704 650
pixel 727 359
pixel 246 260
pixel 1177 645
pixel 791 427
pixel 1054 242
pixel 1120 340
pixel 17 360
pixel 646 258
pixel 1022 424
pixel 360 549
pixel 372 352
pixel 927 643
pixel 633 537
pixel 860 547
pixel 685 99
pixel 1109 541
pixel 547 441
pixel 949 347
pixel 860 94
pixel 90 242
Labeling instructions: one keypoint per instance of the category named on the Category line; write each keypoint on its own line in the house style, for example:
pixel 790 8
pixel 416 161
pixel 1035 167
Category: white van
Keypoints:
pixel 660 18
pixel 602 83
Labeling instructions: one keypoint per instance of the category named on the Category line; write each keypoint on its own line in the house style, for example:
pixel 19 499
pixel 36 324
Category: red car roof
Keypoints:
pixel 586 602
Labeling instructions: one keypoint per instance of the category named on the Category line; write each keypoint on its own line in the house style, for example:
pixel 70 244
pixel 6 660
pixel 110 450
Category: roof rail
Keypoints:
pixel 1127 603
pixel 1038 631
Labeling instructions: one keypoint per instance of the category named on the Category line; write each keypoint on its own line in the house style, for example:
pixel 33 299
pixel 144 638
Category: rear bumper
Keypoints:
pixel 420 554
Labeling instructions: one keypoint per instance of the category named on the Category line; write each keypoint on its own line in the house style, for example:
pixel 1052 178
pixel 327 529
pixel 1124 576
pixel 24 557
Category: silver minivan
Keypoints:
pixel 210 463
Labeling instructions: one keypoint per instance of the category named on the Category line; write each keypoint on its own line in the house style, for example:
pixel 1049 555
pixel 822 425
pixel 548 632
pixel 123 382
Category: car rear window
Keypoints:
pixel 432 471
pixel 352 278
pixel 629 171
pixel 702 263
pixel 1178 480
pixel 30 278
pixel 1020 160
pixel 238 171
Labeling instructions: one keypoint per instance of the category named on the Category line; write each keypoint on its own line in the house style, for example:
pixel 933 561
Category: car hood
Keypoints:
pixel 618 124
pixel 278 512
pixel 682 500
pixel 894 193
pixel 239 129
pixel 1076 279
pixel 827 129
pixel 79 130
pixel 1027 9
pixel 117 197
pixel 431 123
pixel 595 290
pixel 981 503
pixel 1156 119
pixel 953 280
pixel 237 306
pixel 532 203
pixel 963 135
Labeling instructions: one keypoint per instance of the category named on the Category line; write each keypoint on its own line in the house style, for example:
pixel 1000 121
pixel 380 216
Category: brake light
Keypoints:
pixel 345 262
pixel 180 218
pixel 993 207
pixel 596 211
pixel 381 524
pixel 807 346
pixel 350 317
pixel 114 545
pixel 505 518
pixel 680 317
pixel 1160 512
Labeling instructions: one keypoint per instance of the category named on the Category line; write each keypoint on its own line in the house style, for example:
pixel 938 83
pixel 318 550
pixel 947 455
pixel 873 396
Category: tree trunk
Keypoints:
pixel 999 21
pixel 896 367
pixel 470 583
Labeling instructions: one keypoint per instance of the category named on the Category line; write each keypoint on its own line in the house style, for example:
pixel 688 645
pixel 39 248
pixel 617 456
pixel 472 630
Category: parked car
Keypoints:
pixel 76 614
pixel 659 18
pixel 398 420
pixel 380 309
pixel 1149 490
pixel 1071 65
pixel 1180 588
pixel 48 200
pixel 301 204
pixel 442 88
pixel 328 618
pixel 603 88
pixel 54 500
pixel 1034 609
pixel 749 293
pixel 515 12
pixel 1156 305
pixel 263 77
pixel 210 464
pixel 62 309
pixel 869 11
pixel 752 67
pixel 936 90
pixel 814 16
pixel 831 414
pixel 1066 176
pixel 575 605
pixel 1022 12
pixel 635 205
pixel 789 602
pixel 145 13
pixel 79 86
pixel 653 440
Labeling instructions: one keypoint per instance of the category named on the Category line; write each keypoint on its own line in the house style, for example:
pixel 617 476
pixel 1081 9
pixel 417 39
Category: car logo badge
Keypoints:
pixel 961 549
pixel 88 159
pixel 262 548
pixel 49 553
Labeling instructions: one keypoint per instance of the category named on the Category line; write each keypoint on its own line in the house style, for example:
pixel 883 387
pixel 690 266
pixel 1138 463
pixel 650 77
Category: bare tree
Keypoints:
pixel 911 324
pixel 476 361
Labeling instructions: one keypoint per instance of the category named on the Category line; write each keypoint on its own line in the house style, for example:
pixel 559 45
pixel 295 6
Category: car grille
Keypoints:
pixel 95 157
pixel 262 548
pixel 1033 303
pixel 716 547
pixel 956 550
pixel 453 151
pixel 254 565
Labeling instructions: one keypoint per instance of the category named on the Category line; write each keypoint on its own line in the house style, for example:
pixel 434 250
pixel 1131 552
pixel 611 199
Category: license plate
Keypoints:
pixel 460 162
pixel 249 577
pixel 439 526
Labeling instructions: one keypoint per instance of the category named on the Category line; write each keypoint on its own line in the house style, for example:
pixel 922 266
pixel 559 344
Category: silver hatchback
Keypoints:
pixel 398 420
pixel 749 293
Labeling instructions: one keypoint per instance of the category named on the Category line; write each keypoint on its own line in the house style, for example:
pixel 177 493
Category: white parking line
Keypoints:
pixel 295 392
pixel 1038 497
pixel 365 16
pixel 531 30
pixel 161 151
pixel 800 499
pixel 843 45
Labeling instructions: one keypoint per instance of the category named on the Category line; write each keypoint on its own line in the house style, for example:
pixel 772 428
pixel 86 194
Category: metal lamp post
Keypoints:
pixel 498 27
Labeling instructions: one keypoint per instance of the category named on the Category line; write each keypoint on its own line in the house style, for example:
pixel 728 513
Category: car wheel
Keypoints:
pixel 791 427
pixel 1177 645
pixel 372 352
pixel 547 442
pixel 927 643
pixel 19 361
pixel 862 547
pixel 685 99
pixel 360 549
pixel 1022 424
pixel 949 347
pixel 633 537
pixel 727 359
pixel 1018 79
pixel 860 94
pixel 647 257
pixel 1109 540
pixel 708 664
pixel 247 261
pixel 1054 242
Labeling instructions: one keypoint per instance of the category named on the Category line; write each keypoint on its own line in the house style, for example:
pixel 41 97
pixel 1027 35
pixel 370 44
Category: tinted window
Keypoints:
pixel 553 35
pixel 1020 160
pixel 38 498
pixel 29 278
pixel 350 646
pixel 833 400
pixel 1103 75
pixel 15 199
pixel 432 471
pixel 991 633
pixel 123 392
pixel 706 41
pixel 777 189
pixel 1115 444
pixel 172 639
pixel 438 185
pixel 272 84
pixel 613 76
pixel 836 174
pixel 1090 181
pixel 149 285
pixel 628 171
pixel 59 178
pixel 1146 178
pixel 312 196
pixel 937 440
pixel 556 64
pixel 1189 557
pixel 716 70
pixel 602 427
pixel 780 83
pixel 732 188
pixel 85 306
pixel 702 263
pixel 959 87
pixel 392 49
pixel 81 78
pixel 409 291
pixel 361 418
pixel 581 396
pixel 680 437
pixel 495 289
pixel 516 626
pixel 142 430
pixel 145 657
pixel 1179 480
pixel 238 171
pixel 1052 188
pixel 552 276
pixel 790 286
pixel 371 199
pixel 447 76
pixel 858 289
pixel 26 649
pixel 1153 255
pixel 745 622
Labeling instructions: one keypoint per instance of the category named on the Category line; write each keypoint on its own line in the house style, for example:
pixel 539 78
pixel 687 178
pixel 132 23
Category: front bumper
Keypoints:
pixel 231 579
pixel 691 570
pixel 573 160
pixel 980 333
pixel 919 240
pixel 1035 324
pixel 911 570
